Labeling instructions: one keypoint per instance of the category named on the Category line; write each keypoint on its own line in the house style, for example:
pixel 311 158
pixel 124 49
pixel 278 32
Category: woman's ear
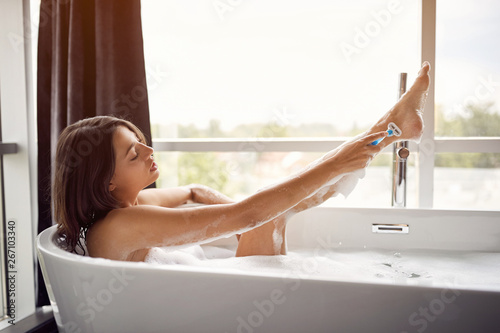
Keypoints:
pixel 112 187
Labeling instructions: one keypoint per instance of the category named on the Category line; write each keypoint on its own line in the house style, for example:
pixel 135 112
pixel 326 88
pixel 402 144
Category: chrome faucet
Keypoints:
pixel 400 155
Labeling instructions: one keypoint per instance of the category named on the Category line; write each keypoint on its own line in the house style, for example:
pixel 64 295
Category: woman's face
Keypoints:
pixel 134 165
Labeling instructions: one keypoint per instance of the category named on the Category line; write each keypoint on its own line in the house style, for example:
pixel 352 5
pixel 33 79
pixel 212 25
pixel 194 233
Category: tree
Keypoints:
pixel 203 168
pixel 477 120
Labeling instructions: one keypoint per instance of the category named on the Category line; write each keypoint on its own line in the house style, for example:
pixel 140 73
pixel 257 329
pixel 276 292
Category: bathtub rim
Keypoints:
pixel 47 237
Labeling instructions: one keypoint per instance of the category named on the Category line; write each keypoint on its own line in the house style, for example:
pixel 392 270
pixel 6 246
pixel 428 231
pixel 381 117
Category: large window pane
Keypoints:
pixel 275 68
pixel 241 174
pixel 467 181
pixel 468 68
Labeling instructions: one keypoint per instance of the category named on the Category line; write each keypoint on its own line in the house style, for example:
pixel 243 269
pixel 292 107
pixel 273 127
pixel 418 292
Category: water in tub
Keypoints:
pixel 477 270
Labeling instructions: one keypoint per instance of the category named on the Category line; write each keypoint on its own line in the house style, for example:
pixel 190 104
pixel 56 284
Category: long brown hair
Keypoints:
pixel 84 166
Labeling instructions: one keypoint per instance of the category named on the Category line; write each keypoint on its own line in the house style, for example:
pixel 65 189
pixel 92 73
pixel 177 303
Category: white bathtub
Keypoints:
pixel 98 295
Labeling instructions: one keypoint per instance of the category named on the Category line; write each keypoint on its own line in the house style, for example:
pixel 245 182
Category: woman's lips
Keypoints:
pixel 154 167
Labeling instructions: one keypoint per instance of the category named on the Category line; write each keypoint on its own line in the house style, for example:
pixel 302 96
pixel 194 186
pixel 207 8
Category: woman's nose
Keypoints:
pixel 149 151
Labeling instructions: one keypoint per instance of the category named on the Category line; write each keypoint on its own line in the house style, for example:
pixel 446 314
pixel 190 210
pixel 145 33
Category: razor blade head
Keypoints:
pixel 394 129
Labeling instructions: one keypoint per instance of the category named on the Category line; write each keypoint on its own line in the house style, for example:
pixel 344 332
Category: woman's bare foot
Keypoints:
pixel 407 113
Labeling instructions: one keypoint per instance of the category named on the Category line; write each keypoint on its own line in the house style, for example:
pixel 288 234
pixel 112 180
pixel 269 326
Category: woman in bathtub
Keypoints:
pixel 102 167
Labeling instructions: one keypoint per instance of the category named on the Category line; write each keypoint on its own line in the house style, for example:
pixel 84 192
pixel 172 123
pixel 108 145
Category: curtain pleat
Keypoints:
pixel 90 62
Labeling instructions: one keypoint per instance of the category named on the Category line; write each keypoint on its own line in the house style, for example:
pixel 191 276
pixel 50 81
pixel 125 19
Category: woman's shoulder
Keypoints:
pixel 113 235
pixel 117 219
pixel 126 221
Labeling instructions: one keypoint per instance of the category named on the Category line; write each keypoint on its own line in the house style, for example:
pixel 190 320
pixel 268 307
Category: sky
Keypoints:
pixel 321 61
pixel 293 62
pixel 263 56
pixel 468 53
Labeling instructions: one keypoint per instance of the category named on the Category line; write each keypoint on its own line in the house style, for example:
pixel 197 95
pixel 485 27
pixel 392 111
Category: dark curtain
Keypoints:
pixel 90 62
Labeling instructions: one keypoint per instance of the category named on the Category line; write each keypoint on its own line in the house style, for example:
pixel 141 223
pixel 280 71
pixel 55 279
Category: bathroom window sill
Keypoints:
pixel 42 321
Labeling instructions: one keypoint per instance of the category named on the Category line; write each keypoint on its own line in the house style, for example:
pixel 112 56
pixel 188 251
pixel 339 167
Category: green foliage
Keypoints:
pixel 203 168
pixel 273 131
pixel 468 160
pixel 189 131
pixel 476 121
pixel 209 169
pixel 382 160
pixel 315 130
pixel 259 130
pixel 214 130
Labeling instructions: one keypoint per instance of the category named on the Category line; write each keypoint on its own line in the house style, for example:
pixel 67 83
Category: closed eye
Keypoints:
pixel 135 157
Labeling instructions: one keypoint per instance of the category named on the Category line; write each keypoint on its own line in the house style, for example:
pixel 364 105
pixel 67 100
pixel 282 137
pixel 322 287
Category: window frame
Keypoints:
pixel 19 168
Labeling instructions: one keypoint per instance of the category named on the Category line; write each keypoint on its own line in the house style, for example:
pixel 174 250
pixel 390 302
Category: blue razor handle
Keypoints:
pixel 376 142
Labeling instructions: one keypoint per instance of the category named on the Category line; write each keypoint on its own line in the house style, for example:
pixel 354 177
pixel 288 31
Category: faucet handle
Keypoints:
pixel 403 153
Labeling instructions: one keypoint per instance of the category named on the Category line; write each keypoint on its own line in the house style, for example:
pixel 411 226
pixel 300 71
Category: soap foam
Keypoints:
pixel 189 255
pixel 346 184
pixel 436 268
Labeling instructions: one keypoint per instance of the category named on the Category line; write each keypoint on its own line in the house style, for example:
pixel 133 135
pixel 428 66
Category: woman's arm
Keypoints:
pixel 205 195
pixel 165 197
pixel 176 196
pixel 144 226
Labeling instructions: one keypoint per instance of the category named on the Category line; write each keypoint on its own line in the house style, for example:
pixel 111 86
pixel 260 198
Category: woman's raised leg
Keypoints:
pixel 269 239
pixel 406 114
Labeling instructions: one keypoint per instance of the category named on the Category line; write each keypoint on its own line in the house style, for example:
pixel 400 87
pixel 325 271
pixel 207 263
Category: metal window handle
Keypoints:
pixel 8 148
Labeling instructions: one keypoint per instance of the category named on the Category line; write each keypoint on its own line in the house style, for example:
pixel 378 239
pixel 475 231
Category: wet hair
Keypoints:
pixel 84 166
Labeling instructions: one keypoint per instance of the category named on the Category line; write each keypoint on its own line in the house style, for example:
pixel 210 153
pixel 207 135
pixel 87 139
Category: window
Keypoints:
pixel 285 80
pixel 254 72
pixel 468 104
pixel 275 68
